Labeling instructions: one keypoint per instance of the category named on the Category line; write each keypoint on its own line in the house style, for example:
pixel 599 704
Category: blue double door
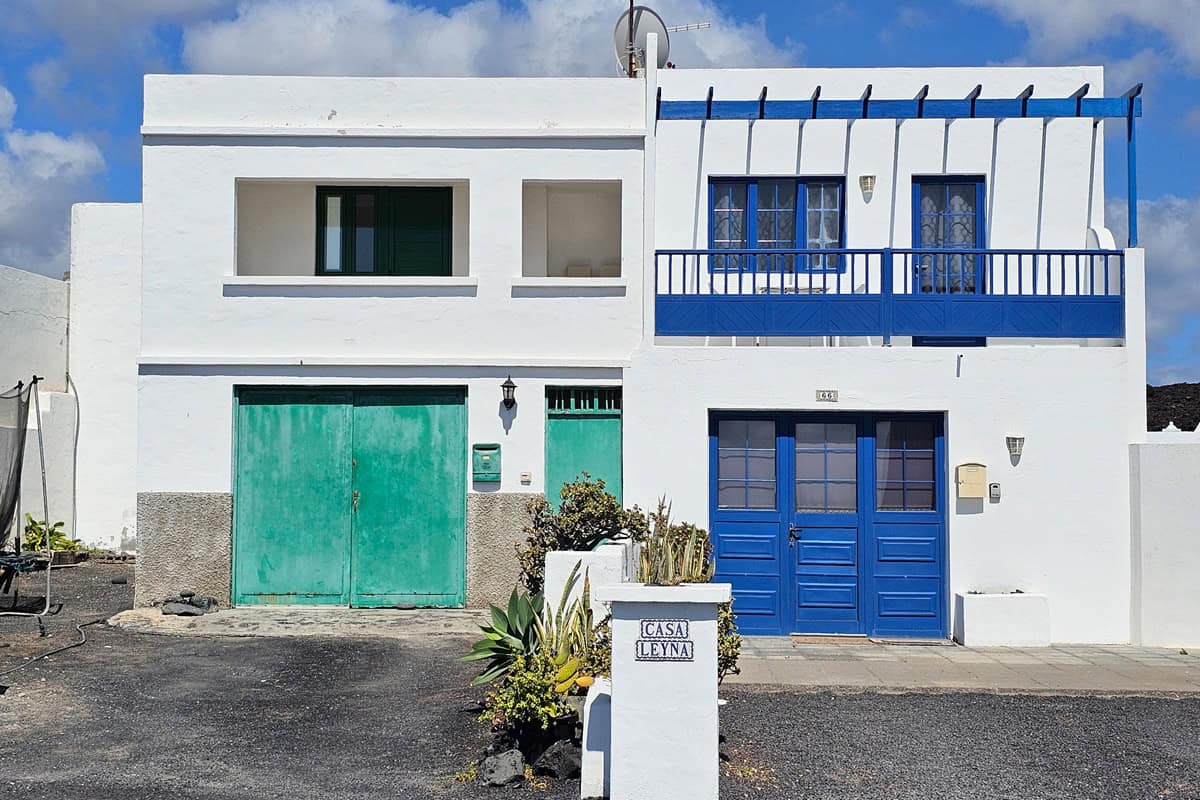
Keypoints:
pixel 831 523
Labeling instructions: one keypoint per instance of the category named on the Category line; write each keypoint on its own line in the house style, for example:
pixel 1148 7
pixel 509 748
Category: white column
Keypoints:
pixel 664 690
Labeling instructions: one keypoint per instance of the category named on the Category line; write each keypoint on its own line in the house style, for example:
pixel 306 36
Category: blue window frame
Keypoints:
pixel 948 214
pixel 777 213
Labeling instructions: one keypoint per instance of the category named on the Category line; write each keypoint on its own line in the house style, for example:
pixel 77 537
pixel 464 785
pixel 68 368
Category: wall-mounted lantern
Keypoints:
pixel 1016 444
pixel 867 184
pixel 510 392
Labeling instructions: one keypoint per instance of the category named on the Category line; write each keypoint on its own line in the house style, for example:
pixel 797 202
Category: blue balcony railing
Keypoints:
pixel 1072 294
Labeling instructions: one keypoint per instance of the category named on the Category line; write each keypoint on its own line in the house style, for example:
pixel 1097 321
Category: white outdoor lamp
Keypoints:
pixel 867 184
pixel 1016 444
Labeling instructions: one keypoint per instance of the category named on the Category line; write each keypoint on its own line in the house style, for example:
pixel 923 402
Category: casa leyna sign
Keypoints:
pixel 664 640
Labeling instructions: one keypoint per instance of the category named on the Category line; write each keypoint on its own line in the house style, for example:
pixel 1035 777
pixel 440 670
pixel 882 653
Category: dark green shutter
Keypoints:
pixel 420 222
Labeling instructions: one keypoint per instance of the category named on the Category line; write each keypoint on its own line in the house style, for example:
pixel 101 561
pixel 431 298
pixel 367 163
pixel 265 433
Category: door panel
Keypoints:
pixel 292 497
pixel 583 434
pixel 824 530
pixel 746 518
pixel 410 515
pixel 856 502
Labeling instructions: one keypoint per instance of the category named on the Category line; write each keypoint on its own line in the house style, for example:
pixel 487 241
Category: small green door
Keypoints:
pixel 410 467
pixel 583 434
pixel 292 509
pixel 350 496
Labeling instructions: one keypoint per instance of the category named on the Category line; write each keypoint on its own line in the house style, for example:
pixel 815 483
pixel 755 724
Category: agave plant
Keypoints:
pixel 511 633
pixel 567 636
pixel 675 554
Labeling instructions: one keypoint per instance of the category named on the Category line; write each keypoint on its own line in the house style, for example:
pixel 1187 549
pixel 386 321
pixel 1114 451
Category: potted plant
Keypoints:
pixel 40 537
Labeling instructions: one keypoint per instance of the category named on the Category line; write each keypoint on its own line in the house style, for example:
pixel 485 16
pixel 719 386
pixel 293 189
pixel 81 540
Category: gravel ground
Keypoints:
pixel 134 716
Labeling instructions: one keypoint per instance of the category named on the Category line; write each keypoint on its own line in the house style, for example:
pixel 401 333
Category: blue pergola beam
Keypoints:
pixel 915 108
pixel 1133 107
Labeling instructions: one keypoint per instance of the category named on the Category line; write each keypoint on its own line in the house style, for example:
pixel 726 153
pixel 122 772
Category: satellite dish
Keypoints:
pixel 645 22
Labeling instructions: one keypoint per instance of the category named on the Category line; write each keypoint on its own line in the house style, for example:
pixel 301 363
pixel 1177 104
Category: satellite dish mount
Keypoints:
pixel 630 34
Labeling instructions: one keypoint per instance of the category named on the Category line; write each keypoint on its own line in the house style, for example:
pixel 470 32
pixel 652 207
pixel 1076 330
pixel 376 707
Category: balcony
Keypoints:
pixel 943 293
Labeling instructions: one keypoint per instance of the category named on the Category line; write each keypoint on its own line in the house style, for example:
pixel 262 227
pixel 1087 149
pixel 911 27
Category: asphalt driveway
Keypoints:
pixel 131 715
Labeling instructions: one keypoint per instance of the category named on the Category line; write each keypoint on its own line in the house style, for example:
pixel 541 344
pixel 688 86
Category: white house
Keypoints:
pixel 818 309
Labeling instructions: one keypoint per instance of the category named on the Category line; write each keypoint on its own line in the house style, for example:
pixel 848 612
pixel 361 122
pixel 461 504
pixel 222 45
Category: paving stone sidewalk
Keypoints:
pixel 1115 669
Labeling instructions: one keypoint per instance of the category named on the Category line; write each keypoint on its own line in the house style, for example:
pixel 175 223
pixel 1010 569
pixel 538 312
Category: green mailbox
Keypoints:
pixel 485 462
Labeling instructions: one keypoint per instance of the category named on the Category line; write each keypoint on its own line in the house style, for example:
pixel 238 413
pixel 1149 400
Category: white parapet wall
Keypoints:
pixel 106 268
pixel 33 329
pixel 1164 472
pixel 607 564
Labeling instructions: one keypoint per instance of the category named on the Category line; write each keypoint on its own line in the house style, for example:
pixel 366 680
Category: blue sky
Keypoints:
pixel 70 85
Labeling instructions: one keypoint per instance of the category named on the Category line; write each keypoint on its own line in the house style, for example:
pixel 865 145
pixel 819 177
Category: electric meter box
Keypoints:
pixel 485 462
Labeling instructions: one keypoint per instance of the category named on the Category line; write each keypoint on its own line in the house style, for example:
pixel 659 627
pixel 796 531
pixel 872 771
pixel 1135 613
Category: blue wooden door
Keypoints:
pixel 831 523
pixel 825 524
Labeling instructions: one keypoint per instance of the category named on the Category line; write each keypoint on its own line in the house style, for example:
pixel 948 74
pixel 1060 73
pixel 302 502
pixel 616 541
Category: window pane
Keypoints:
pixel 761 465
pixel 364 232
pixel 918 467
pixel 842 435
pixel 729 215
pixel 333 234
pixel 810 496
pixel 841 466
pixel 842 496
pixel 731 465
pixel 731 433
pixel 810 465
pixel 918 498
pixel 762 435
pixel 889 466
pixel 810 435
pixel 888 436
pixel 760 495
pixel 918 435
pixel 890 497
pixel 731 495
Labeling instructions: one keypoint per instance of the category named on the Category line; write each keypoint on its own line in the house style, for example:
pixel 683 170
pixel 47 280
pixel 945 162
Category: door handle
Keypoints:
pixel 794 532
pixel 354 500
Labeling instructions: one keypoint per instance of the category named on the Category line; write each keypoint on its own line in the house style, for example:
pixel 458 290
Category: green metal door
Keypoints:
pixel 583 434
pixel 409 498
pixel 292 497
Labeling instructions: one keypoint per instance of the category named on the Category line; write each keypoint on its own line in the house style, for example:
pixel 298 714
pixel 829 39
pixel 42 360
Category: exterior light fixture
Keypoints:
pixel 867 184
pixel 510 391
pixel 1015 445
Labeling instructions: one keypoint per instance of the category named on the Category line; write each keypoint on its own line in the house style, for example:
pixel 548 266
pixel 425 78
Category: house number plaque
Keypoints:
pixel 664 640
pixel 827 395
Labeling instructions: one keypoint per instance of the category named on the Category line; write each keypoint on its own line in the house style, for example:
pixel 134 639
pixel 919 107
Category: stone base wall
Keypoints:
pixel 184 544
pixel 495 525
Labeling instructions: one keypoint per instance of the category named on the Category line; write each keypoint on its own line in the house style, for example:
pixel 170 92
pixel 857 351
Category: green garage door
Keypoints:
pixel 583 434
pixel 350 496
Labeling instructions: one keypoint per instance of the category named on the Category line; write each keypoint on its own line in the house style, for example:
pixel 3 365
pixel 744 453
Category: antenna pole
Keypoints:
pixel 632 71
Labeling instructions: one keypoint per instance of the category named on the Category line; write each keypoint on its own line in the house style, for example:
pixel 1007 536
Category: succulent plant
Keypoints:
pixel 512 633
pixel 675 554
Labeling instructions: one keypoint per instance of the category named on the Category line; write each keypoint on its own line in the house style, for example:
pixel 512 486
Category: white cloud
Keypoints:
pixel 41 174
pixel 1065 27
pixel 1169 230
pixel 483 37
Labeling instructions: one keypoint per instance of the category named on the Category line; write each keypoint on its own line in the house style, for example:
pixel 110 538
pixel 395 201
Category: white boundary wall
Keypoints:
pixel 1164 472
pixel 106 246
pixel 33 329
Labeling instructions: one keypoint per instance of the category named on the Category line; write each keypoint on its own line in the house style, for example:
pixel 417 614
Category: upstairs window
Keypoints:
pixel 777 214
pixel 384 230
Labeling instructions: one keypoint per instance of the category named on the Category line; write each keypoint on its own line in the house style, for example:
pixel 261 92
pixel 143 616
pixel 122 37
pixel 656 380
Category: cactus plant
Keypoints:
pixel 675 554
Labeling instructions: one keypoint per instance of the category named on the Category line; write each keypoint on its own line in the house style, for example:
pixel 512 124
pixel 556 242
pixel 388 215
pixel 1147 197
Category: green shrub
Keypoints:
pixel 587 516
pixel 36 533
pixel 525 701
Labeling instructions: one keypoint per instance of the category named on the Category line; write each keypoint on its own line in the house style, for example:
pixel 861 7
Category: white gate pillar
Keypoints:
pixel 664 690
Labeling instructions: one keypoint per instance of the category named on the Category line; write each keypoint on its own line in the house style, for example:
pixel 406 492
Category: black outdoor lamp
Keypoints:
pixel 510 389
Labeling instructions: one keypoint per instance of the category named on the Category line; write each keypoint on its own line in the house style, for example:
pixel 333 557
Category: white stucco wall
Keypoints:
pixel 1165 548
pixel 572 225
pixel 106 240
pixel 33 329
pixel 186 433
pixel 56 454
pixel 1061 526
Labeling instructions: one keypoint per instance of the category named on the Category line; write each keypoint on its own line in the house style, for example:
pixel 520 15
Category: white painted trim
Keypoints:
pixel 376 361
pixel 683 593
pixel 306 281
pixel 566 284
pixel 394 133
